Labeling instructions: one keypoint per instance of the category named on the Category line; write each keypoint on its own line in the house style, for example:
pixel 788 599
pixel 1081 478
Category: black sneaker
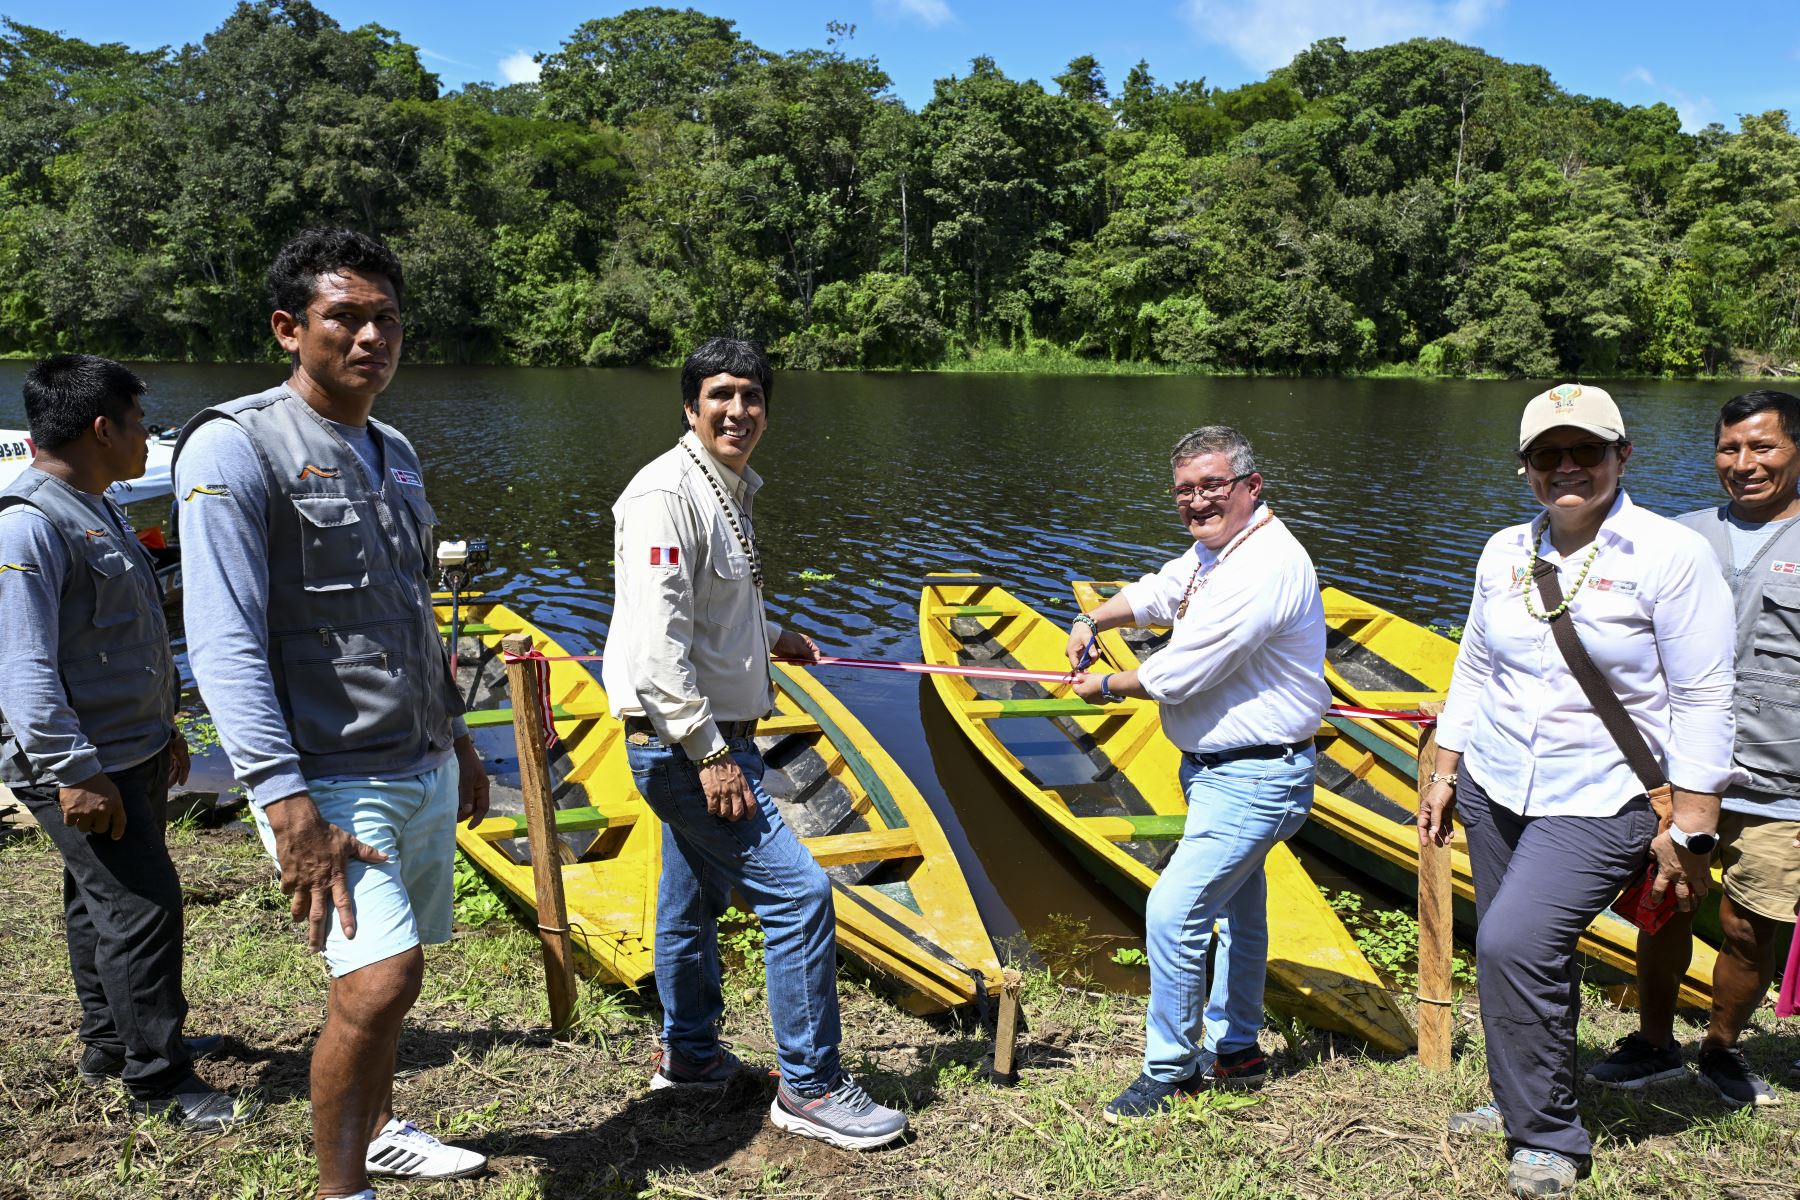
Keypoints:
pixel 676 1070
pixel 195 1104
pixel 1724 1068
pixel 1637 1062
pixel 1238 1070
pixel 100 1063
pixel 1146 1098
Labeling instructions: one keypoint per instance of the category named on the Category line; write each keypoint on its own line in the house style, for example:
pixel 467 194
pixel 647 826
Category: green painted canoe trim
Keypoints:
pixel 472 628
pixel 568 820
pixel 973 610
pixel 1389 753
pixel 1056 706
pixel 1155 828
pixel 872 783
pixel 489 717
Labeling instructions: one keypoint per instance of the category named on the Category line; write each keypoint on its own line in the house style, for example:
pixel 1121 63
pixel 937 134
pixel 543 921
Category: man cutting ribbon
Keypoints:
pixel 1241 694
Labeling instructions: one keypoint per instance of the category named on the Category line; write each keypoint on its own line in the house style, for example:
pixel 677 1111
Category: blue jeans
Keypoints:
pixel 1237 811
pixel 704 858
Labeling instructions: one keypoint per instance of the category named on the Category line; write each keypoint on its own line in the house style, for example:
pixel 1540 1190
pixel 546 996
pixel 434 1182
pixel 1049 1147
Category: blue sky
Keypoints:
pixel 1710 64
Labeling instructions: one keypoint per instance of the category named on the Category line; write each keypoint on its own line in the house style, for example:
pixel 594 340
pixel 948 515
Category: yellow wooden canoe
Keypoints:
pixel 1105 781
pixel 1379 660
pixel 903 906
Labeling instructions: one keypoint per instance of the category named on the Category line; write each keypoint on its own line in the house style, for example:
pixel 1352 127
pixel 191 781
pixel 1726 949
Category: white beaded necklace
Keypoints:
pixel 729 508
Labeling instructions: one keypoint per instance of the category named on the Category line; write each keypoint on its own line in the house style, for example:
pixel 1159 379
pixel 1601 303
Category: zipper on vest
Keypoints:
pixel 103 659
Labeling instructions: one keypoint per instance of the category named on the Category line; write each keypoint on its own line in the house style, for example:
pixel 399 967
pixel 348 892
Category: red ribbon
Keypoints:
pixel 543 688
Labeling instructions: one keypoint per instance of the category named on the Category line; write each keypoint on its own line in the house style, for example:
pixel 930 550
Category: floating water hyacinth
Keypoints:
pixel 812 576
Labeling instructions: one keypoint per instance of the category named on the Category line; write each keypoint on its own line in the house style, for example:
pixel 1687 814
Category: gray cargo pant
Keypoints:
pixel 1538 882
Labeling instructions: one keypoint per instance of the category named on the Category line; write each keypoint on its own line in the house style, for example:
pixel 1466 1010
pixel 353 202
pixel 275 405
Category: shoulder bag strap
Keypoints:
pixel 1607 705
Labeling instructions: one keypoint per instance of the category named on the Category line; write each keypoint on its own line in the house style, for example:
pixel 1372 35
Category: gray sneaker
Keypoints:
pixel 845 1117
pixel 676 1070
pixel 1480 1121
pixel 1724 1069
pixel 1541 1173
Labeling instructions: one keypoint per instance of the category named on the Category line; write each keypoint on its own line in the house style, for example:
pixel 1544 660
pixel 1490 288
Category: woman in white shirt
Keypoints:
pixel 1557 821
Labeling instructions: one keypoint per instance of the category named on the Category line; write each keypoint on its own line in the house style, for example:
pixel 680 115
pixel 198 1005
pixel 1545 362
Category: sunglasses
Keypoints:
pixel 1587 454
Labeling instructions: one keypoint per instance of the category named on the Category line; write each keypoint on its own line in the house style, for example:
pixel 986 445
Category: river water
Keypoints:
pixel 875 480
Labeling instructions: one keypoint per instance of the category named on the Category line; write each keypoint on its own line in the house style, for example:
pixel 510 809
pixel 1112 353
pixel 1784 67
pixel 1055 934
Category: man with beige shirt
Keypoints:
pixel 687 671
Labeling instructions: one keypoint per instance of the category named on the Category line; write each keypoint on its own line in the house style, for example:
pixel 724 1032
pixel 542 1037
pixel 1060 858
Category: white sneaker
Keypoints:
pixel 402 1148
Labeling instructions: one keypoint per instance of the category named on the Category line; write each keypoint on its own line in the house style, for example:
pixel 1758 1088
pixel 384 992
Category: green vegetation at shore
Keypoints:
pixel 572 1117
pixel 1419 208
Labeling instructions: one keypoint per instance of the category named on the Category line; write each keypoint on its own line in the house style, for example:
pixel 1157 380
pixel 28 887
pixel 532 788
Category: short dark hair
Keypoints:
pixel 294 275
pixel 66 392
pixel 724 356
pixel 1742 408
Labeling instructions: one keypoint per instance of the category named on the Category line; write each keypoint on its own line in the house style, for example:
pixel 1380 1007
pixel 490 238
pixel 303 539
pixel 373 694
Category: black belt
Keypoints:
pixel 641 726
pixel 1213 758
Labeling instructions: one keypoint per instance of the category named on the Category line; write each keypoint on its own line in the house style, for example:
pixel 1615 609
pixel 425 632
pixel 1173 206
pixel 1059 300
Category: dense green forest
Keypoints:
pixel 1423 205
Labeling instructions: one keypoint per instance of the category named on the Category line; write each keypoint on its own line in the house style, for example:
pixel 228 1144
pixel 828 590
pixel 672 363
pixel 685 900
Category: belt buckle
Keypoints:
pixel 638 739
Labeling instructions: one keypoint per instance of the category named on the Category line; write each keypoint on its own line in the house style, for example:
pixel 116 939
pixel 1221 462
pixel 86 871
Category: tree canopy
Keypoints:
pixel 1422 203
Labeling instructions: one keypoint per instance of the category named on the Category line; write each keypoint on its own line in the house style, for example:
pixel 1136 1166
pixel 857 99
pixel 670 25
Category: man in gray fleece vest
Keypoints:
pixel 307 557
pixel 1756 536
pixel 87 730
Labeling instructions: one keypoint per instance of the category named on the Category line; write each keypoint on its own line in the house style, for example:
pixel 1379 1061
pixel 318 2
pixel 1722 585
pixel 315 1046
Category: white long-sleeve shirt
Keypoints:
pixel 689 644
pixel 1656 618
pixel 1245 665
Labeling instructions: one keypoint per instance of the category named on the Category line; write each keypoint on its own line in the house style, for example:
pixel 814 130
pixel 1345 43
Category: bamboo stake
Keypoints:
pixel 1435 946
pixel 540 820
pixel 1006 1027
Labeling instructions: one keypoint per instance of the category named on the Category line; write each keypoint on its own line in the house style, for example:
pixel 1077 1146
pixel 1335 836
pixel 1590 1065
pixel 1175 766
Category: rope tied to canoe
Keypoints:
pixel 1441 1002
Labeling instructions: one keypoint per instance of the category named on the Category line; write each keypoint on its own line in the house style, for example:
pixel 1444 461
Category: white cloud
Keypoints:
pixel 1266 34
pixel 521 66
pixel 1695 111
pixel 932 12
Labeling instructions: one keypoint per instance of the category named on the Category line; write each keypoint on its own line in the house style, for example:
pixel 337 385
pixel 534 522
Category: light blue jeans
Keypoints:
pixel 1237 811
pixel 704 857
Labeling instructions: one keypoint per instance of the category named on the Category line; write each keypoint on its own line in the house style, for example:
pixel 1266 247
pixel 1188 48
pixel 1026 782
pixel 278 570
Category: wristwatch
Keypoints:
pixel 1693 843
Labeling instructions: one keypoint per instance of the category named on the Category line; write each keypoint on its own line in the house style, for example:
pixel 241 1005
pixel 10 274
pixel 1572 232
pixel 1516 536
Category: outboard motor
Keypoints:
pixel 459 562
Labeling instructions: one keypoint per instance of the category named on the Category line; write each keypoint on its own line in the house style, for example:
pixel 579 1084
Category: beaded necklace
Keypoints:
pixel 1531 576
pixel 729 508
pixel 1197 581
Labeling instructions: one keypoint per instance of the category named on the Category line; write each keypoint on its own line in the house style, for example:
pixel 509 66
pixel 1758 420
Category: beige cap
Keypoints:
pixel 1580 405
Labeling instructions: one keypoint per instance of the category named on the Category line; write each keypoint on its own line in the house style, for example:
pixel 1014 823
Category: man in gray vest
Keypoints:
pixel 87 729
pixel 307 558
pixel 1757 540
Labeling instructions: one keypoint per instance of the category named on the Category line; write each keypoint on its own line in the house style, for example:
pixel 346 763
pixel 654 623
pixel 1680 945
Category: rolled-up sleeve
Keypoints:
pixel 1696 630
pixel 1469 680
pixel 656 641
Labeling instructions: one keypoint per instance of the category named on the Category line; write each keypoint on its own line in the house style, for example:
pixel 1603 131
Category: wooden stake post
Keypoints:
pixel 1006 1027
pixel 1435 945
pixel 540 820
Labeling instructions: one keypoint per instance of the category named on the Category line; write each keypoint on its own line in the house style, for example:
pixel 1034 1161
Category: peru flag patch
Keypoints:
pixel 665 556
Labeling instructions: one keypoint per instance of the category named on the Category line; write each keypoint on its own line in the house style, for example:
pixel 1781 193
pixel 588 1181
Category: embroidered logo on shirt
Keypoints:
pixel 1785 568
pixel 207 489
pixel 1626 586
pixel 1521 574
pixel 23 568
pixel 671 555
pixel 409 478
pixel 320 472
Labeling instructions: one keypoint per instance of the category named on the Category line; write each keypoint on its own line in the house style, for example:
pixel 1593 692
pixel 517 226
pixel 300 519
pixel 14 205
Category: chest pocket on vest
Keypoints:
pixel 1768 728
pixel 425 522
pixel 115 600
pixel 332 554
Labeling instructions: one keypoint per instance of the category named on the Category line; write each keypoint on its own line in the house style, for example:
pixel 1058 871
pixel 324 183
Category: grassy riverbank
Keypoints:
pixel 572 1118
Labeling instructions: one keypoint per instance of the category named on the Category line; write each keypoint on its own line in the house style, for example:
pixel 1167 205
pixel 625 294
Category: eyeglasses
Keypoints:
pixel 1587 454
pixel 1209 489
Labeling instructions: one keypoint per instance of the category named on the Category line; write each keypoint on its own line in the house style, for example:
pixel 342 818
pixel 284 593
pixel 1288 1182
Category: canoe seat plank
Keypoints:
pixel 469 629
pixel 783 724
pixel 1054 707
pixel 1154 828
pixel 971 610
pixel 568 820
pixel 489 717
pixel 870 845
